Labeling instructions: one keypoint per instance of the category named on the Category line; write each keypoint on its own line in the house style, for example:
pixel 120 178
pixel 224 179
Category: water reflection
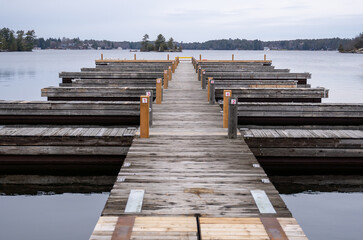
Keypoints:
pixel 326 206
pixel 53 201
pixel 318 183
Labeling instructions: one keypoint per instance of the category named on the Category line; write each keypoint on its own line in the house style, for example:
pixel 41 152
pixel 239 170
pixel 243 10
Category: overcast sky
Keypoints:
pixel 185 20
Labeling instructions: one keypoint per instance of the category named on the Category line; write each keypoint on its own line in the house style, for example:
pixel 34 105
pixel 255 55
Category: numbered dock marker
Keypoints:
pixel 158 80
pixel 148 94
pixel 144 100
pixel 228 94
pixel 233 101
pixel 212 81
pixel 203 72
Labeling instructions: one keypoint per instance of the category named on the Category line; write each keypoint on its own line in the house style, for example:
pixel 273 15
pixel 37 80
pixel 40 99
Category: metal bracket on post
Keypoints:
pixel 150 94
pixel 232 117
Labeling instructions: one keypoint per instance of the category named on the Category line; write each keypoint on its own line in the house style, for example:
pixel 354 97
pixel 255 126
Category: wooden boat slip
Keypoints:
pixel 104 143
pixel 95 93
pixel 300 114
pixel 68 76
pixel 63 112
pixel 274 94
pixel 309 146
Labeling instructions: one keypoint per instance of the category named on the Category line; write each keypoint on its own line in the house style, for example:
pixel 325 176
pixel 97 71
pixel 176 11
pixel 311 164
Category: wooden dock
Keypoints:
pixel 306 146
pixel 190 181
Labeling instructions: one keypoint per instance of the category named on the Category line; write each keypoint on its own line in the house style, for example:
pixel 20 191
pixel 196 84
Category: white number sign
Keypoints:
pixel 228 94
pixel 144 100
pixel 233 101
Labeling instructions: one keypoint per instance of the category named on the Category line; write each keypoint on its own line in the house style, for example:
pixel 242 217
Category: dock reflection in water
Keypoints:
pixel 326 206
pixel 54 202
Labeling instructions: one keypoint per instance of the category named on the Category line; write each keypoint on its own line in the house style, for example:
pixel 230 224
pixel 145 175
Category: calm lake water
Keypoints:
pixel 71 215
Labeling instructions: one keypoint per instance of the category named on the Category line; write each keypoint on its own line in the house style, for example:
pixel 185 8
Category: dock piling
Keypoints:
pixel 144 116
pixel 166 79
pixel 203 79
pixel 212 92
pixel 232 57
pixel 264 57
pixel 151 97
pixel 208 87
pixel 173 67
pixel 226 96
pixel 199 73
pixel 135 56
pixel 101 56
pixel 232 117
pixel 169 73
pixel 158 91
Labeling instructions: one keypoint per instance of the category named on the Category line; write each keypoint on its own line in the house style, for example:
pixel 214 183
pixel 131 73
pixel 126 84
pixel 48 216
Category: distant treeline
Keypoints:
pixel 224 44
pixel 19 41
pixel 244 44
pixel 26 41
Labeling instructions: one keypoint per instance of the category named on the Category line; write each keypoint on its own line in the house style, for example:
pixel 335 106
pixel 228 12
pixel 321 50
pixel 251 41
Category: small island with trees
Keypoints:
pixel 159 45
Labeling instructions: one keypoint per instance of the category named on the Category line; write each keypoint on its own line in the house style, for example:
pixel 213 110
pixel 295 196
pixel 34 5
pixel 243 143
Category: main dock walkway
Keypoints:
pixel 189 181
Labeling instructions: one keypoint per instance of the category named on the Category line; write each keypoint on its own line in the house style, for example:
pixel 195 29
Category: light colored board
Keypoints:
pixel 134 202
pixel 263 203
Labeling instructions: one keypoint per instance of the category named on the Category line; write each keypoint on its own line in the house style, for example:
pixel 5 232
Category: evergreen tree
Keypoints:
pixel 170 43
pixel 29 40
pixel 144 43
pixel 20 40
pixel 160 44
pixel 12 42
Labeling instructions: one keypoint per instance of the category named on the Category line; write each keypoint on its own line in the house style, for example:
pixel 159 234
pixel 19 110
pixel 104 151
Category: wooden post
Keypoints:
pixel 158 90
pixel 264 57
pixel 203 79
pixel 135 56
pixel 200 57
pixel 226 95
pixel 167 57
pixel 151 98
pixel 232 117
pixel 173 67
pixel 144 116
pixel 232 57
pixel 101 56
pixel 166 79
pixel 212 97
pixel 199 73
pixel 169 73
pixel 208 88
